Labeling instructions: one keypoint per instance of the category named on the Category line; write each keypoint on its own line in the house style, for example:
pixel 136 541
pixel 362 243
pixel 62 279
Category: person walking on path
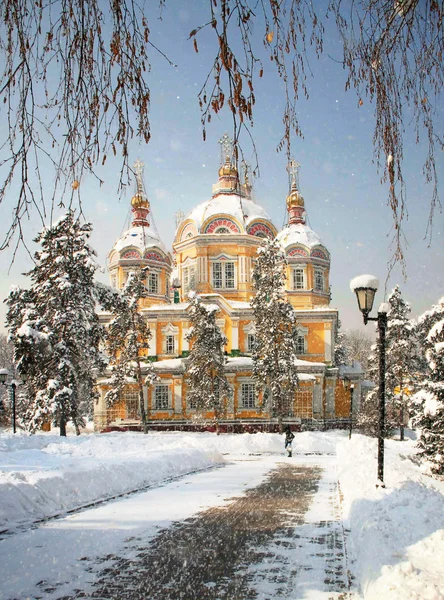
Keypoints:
pixel 289 437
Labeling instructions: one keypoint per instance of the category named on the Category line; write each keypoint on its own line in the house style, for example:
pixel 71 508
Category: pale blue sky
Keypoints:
pixel 346 204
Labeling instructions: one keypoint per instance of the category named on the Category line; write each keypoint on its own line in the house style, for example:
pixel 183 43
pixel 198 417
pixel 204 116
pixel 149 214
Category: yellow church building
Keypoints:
pixel 214 250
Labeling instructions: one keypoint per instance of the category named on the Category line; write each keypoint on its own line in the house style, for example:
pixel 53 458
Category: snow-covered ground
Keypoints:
pixel 396 540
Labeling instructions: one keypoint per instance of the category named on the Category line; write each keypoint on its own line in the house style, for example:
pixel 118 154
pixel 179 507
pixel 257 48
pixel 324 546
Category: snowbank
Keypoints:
pixel 397 533
pixel 45 475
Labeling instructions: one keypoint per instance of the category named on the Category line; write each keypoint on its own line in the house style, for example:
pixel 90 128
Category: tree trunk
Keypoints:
pixel 401 424
pixel 62 423
pixel 141 399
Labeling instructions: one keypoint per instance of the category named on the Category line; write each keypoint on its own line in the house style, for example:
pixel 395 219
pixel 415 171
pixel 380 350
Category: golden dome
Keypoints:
pixel 139 201
pixel 228 169
pixel 295 198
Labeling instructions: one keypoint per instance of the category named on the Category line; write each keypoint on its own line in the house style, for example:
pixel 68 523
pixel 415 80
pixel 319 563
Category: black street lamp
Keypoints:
pixel 365 287
pixel 3 377
pixel 349 386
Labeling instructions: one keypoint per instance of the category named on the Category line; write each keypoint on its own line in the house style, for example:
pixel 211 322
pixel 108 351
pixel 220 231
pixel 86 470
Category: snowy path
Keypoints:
pixel 300 556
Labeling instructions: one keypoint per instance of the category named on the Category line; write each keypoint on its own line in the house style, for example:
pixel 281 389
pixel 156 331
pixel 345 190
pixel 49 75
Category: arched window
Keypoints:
pixel 319 280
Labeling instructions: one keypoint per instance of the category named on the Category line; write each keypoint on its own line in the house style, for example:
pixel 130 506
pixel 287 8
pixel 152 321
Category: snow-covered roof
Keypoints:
pixel 247 361
pixel 298 233
pixel 179 306
pixel 170 364
pixel 139 237
pixel 238 304
pixel 245 211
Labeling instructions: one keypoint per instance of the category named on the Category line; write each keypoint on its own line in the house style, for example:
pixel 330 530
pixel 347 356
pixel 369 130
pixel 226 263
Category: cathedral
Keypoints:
pixel 213 254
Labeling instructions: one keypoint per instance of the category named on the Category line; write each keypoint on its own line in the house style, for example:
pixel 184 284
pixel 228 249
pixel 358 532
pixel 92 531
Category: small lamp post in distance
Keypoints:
pixel 349 387
pixel 365 287
pixel 3 377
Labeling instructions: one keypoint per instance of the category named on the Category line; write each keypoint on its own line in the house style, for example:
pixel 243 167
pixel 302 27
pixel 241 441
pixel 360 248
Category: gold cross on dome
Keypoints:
pixel 293 172
pixel 226 145
pixel 138 167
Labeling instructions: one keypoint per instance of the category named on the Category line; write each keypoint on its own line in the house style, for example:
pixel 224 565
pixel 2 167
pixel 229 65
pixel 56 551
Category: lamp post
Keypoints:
pixel 3 377
pixel 365 287
pixel 349 386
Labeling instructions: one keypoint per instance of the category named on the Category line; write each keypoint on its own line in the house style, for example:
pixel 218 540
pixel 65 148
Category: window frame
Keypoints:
pixel 188 278
pixel 251 341
pixel 319 273
pixel 153 278
pixel 248 395
pixel 301 284
pixel 170 344
pixel 223 276
pixel 161 399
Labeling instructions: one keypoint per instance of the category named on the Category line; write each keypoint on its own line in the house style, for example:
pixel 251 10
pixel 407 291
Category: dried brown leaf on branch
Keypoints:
pixel 89 63
pixel 392 54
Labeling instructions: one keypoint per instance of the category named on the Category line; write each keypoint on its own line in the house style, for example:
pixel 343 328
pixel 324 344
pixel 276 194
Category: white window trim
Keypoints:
pixel 324 283
pixel 156 273
pixel 249 337
pixel 302 267
pixel 303 332
pixel 248 382
pixel 168 385
pixel 249 329
pixel 189 270
pixel 224 259
pixel 170 330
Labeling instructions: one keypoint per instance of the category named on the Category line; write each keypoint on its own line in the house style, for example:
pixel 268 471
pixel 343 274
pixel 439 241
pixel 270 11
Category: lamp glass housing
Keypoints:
pixel 365 298
pixel 3 375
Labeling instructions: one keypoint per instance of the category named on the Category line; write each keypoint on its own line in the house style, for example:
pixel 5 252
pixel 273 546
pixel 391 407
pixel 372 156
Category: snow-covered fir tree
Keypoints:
pixel 341 349
pixel 401 357
pixel 54 326
pixel 400 369
pixel 428 402
pixel 208 389
pixel 274 355
pixel 127 342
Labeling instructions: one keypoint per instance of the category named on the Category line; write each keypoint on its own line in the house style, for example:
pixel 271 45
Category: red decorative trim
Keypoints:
pixel 150 255
pixel 259 228
pixel 298 252
pixel 227 223
pixel 131 254
pixel 318 254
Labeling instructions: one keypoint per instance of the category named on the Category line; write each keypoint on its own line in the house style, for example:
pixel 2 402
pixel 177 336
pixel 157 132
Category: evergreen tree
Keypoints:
pixel 428 402
pixel 341 349
pixel 207 385
pixel 368 415
pixel 274 356
pixel 127 341
pixel 401 357
pixel 54 327
pixel 400 369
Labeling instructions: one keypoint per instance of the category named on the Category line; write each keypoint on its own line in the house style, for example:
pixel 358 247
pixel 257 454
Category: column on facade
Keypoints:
pixel 235 336
pixel 317 398
pixel 152 350
pixel 328 343
pixel 177 395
